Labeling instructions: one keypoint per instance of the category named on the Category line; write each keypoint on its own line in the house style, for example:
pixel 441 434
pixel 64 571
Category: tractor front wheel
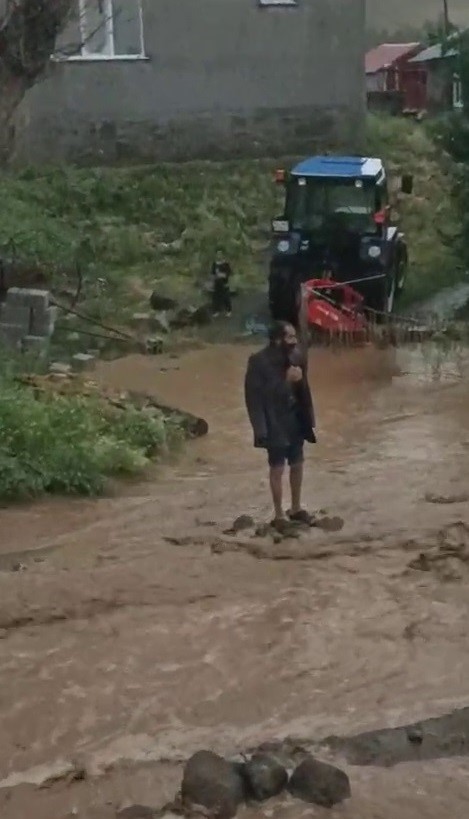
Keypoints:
pixel 382 297
pixel 284 297
pixel 402 266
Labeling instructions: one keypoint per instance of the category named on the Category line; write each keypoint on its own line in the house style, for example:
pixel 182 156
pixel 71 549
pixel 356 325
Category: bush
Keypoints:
pixel 70 445
pixel 429 217
pixel 452 134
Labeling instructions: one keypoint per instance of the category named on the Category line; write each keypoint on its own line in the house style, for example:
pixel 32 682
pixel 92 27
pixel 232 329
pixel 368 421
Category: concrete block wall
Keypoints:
pixel 27 320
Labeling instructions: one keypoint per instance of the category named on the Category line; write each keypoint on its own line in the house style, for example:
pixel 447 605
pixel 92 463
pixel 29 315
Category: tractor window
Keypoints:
pixel 311 204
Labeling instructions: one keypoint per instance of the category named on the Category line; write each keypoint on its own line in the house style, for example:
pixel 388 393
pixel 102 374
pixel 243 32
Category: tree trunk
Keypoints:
pixel 28 33
pixel 12 91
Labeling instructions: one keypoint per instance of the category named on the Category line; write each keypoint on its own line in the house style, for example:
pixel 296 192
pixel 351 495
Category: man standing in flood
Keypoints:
pixel 280 408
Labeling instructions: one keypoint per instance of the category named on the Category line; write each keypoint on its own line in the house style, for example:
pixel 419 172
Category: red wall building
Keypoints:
pixel 391 75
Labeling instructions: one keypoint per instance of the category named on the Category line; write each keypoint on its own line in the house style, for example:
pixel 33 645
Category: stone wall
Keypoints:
pixel 27 320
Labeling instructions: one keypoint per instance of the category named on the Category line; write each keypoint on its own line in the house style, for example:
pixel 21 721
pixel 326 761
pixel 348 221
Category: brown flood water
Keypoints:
pixel 139 633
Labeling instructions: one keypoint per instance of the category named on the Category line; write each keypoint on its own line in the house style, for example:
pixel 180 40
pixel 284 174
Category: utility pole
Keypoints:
pixel 446 22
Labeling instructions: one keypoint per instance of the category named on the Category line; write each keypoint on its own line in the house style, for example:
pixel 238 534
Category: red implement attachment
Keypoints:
pixel 334 307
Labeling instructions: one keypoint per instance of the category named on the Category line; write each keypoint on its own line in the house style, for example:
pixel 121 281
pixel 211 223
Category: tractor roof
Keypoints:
pixel 340 167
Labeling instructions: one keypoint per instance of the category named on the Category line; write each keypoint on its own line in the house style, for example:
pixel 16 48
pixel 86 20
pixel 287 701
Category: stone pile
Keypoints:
pixel 215 788
pixel 220 787
pixel 27 320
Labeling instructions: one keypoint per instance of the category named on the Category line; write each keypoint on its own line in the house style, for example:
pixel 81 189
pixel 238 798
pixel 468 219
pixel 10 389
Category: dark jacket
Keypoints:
pixel 268 398
pixel 221 273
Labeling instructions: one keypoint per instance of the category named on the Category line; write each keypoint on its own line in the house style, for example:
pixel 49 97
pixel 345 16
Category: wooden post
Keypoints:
pixel 446 20
pixel 303 330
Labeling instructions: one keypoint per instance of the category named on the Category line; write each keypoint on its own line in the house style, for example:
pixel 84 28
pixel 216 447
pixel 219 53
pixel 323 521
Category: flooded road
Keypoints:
pixel 138 632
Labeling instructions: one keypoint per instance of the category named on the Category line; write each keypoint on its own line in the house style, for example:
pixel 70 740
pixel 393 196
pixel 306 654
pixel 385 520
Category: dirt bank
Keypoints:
pixel 138 632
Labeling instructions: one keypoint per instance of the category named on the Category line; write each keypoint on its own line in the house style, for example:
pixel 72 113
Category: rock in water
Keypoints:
pixel 319 783
pixel 242 523
pixel 265 777
pixel 213 783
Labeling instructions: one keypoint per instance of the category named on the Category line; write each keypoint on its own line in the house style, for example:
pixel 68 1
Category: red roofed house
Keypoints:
pixel 391 81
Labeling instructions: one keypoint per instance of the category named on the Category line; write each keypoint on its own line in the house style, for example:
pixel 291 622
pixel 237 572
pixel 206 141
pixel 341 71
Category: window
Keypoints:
pixel 268 3
pixel 457 92
pixel 104 30
pixel 314 204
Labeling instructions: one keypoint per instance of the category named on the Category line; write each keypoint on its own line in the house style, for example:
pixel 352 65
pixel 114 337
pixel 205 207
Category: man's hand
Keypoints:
pixel 294 375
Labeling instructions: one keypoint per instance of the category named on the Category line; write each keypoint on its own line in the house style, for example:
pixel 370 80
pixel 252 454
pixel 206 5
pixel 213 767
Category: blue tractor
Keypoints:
pixel 336 225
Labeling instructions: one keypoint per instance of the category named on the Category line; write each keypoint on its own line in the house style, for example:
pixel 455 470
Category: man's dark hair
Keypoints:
pixel 277 331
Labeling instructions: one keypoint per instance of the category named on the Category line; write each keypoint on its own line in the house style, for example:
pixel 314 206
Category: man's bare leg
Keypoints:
pixel 276 481
pixel 296 483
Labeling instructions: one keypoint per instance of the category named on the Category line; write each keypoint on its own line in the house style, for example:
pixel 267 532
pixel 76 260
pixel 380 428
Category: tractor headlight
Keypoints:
pixel 283 246
pixel 374 251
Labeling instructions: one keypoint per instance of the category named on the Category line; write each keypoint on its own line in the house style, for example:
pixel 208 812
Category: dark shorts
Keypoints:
pixel 292 454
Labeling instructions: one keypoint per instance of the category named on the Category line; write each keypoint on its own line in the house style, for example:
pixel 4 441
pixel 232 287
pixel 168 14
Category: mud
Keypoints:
pixel 436 738
pixel 446 303
pixel 141 631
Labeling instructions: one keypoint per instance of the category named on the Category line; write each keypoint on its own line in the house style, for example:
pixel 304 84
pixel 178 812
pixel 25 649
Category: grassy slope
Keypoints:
pixel 428 217
pixel 138 229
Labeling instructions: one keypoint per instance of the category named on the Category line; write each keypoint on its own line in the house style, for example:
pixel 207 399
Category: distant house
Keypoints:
pixel 392 83
pixel 442 81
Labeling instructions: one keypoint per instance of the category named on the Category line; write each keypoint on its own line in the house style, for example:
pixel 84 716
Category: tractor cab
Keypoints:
pixel 336 225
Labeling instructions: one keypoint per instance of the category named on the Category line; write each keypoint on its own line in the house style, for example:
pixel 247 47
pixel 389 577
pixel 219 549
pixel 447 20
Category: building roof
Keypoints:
pixel 344 167
pixel 386 54
pixel 434 52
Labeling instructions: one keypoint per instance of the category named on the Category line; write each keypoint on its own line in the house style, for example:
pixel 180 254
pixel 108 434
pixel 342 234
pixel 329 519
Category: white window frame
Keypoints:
pixel 458 103
pixel 109 55
pixel 266 4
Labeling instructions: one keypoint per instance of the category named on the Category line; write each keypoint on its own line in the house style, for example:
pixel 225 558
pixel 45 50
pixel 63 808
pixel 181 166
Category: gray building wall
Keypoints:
pixel 440 84
pixel 222 78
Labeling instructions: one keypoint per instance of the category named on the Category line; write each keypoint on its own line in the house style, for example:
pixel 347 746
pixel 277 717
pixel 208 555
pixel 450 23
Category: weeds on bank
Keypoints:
pixel 72 444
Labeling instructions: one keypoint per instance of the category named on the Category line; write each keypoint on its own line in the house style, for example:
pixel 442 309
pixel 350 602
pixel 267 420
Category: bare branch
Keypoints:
pixel 28 35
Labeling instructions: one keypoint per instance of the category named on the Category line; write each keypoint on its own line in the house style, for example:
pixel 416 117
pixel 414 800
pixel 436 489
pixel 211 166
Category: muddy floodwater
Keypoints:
pixel 134 631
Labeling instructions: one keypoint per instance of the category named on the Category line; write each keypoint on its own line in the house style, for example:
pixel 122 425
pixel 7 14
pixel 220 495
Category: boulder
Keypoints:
pixel 240 524
pixel 154 345
pixel 210 782
pixel 191 317
pixel 60 368
pixel 82 362
pixel 202 315
pixel 319 783
pixel 265 777
pixel 159 302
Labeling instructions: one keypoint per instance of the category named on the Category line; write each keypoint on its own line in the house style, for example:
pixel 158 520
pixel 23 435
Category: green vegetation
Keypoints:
pixel 137 229
pixel 451 133
pixel 429 217
pixel 70 444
